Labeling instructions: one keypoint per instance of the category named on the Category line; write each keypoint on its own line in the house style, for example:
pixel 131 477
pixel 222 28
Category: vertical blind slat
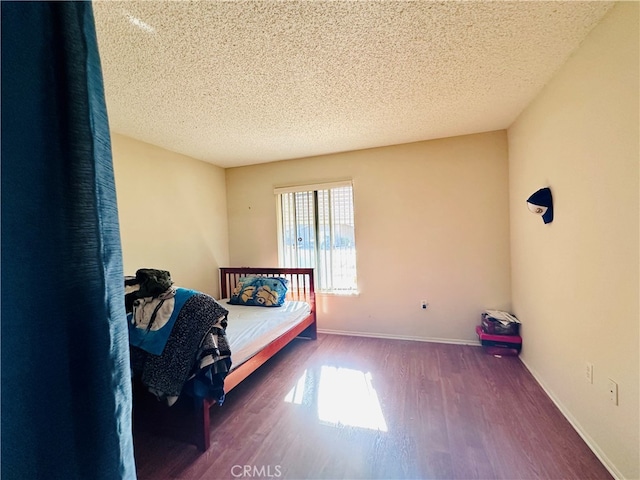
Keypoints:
pixel 317 231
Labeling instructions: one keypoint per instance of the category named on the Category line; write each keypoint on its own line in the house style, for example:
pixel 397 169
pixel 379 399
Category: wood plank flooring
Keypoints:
pixel 365 408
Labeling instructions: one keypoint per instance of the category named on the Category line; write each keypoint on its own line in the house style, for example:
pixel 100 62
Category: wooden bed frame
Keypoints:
pixel 301 288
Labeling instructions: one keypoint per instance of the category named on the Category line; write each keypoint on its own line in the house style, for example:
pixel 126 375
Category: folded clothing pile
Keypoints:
pixel 499 333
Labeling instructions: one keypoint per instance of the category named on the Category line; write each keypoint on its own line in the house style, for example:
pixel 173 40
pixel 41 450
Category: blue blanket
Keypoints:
pixel 154 340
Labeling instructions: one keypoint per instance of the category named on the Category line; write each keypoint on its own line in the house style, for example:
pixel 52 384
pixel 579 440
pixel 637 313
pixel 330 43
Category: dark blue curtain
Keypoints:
pixel 66 392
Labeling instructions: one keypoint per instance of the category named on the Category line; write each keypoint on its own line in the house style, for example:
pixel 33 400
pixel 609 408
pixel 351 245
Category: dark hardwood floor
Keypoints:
pixel 365 408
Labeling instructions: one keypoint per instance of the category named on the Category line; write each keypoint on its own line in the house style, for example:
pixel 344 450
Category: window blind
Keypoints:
pixel 317 229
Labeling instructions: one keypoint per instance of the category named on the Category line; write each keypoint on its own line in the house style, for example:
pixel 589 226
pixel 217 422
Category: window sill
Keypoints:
pixel 338 293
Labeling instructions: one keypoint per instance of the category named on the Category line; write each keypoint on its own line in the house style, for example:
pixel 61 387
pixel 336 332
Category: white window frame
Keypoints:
pixel 325 282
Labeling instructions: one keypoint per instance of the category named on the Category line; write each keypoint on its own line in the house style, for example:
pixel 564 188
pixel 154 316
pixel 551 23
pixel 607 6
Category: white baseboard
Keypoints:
pixel 593 446
pixel 399 337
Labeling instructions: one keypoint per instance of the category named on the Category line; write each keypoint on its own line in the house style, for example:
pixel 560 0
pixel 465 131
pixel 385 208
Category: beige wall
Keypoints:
pixel 432 223
pixel 575 281
pixel 173 213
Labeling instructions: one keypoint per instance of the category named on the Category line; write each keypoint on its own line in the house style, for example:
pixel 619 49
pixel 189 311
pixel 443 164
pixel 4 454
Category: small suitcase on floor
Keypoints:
pixel 499 344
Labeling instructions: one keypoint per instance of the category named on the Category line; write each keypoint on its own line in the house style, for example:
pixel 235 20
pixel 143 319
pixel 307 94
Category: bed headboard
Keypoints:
pixel 301 286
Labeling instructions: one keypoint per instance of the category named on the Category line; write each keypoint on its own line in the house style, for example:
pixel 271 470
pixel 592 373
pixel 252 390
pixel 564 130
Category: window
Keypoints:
pixel 316 229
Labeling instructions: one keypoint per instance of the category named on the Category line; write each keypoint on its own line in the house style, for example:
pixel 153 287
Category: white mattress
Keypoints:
pixel 251 328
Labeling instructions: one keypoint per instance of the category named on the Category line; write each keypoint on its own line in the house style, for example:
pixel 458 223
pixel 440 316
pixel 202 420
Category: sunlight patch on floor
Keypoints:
pixel 296 394
pixel 345 397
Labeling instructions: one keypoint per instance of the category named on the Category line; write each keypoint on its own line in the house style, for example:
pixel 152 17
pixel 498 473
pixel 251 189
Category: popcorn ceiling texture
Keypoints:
pixel 238 83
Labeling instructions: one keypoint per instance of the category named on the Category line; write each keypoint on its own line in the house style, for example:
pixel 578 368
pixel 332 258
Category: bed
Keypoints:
pixel 256 333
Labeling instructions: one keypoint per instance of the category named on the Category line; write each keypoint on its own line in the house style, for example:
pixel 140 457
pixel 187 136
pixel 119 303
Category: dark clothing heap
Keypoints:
pixel 196 357
pixel 151 282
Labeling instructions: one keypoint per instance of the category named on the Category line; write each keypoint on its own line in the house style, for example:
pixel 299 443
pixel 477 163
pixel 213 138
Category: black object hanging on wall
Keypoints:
pixel 541 203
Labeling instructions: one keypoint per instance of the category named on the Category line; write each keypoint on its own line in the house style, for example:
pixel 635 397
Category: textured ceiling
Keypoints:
pixel 238 83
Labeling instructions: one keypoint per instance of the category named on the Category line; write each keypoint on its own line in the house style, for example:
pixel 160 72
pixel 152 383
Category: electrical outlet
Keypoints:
pixel 589 372
pixel 424 304
pixel 613 392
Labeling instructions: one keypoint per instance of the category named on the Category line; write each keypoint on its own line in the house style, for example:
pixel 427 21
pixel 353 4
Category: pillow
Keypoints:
pixel 259 291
